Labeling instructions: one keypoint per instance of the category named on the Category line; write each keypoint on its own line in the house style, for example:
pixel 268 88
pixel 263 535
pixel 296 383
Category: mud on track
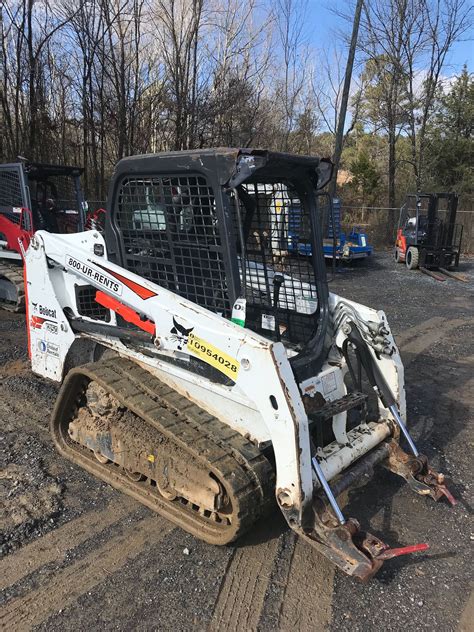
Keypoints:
pixel 78 555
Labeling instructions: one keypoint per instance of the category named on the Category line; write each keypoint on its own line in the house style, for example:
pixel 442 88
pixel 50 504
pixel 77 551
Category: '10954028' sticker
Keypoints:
pixel 213 356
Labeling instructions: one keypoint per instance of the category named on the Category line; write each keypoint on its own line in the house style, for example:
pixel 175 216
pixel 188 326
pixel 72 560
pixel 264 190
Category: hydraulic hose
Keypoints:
pixel 378 381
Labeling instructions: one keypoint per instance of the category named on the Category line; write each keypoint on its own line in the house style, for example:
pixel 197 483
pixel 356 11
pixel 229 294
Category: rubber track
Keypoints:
pixel 248 475
pixel 14 274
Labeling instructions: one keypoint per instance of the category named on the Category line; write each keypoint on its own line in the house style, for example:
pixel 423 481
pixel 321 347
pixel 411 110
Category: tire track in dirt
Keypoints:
pixel 403 339
pixel 53 546
pixel 75 580
pixel 241 598
pixel 242 593
pixel 309 568
pixel 307 603
pixel 465 624
pixel 419 338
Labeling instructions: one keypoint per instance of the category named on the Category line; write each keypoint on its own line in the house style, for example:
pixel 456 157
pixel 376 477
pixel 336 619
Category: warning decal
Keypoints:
pixel 213 356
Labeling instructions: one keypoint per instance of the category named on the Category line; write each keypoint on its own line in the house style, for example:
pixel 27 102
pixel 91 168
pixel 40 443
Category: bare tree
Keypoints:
pixel 24 40
pixel 290 19
pixel 89 81
pixel 178 23
pixel 327 82
pixel 439 26
pixel 235 70
pixel 386 27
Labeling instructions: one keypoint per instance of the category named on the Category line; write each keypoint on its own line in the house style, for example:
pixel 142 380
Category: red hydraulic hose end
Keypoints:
pixel 403 550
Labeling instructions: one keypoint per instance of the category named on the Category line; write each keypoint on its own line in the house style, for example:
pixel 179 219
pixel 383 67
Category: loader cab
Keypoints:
pixel 33 197
pixel 56 197
pixel 416 230
pixel 210 226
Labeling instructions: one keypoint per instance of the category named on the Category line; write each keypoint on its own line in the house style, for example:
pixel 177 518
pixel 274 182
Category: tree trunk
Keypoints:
pixel 392 170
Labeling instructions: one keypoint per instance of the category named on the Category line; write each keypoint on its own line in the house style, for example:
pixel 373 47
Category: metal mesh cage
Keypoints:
pixel 60 189
pixel 170 236
pixel 275 223
pixel 54 201
pixel 11 199
pixel 88 306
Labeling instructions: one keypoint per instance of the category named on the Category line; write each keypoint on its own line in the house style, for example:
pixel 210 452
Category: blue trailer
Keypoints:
pixel 355 245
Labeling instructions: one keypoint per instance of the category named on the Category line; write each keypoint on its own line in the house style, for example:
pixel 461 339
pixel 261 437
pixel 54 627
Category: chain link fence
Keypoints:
pixel 381 224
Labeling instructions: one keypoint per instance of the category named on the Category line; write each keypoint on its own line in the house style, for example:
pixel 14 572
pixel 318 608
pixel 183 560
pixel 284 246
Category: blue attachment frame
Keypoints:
pixel 353 246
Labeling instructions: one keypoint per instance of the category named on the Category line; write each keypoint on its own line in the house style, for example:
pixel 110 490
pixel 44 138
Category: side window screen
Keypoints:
pixel 11 199
pixel 10 188
pixel 278 246
pixel 171 236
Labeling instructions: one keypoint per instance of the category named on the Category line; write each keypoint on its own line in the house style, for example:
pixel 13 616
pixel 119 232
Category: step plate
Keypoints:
pixel 330 409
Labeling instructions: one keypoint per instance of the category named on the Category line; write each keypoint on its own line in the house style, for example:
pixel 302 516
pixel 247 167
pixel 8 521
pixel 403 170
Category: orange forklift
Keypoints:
pixel 428 236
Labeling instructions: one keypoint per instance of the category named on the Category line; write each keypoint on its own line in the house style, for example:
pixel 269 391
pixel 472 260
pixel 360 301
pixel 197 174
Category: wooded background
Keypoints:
pixel 87 82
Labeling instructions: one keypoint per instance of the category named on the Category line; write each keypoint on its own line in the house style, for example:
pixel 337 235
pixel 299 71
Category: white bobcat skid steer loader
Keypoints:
pixel 202 419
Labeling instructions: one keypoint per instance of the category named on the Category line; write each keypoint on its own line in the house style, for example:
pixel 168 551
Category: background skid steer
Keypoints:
pixel 201 419
pixel 33 196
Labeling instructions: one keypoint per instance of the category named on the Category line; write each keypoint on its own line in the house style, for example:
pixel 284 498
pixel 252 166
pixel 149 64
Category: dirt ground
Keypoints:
pixel 78 555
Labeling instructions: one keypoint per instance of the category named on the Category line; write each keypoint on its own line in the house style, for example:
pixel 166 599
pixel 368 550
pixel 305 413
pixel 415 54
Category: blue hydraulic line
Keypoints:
pixel 327 490
pixel 394 410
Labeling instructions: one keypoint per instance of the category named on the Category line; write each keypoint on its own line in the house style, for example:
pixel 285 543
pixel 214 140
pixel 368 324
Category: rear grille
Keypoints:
pixel 170 236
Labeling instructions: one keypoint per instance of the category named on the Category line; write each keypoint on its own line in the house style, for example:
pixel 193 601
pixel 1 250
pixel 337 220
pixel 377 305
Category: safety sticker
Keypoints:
pixel 48 348
pixel 329 383
pixel 213 356
pixel 268 322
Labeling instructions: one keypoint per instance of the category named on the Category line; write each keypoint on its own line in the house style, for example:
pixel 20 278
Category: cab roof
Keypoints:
pixel 231 166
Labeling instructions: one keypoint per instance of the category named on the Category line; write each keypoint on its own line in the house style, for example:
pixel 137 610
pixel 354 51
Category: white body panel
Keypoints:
pixel 264 403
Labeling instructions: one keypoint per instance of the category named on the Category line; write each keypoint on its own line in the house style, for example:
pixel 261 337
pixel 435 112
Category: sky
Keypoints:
pixel 322 26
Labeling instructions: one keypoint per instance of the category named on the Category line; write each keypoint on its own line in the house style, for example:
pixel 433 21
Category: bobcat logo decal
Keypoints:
pixel 180 334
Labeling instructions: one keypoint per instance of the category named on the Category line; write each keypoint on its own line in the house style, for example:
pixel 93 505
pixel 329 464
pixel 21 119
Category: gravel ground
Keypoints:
pixel 79 555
